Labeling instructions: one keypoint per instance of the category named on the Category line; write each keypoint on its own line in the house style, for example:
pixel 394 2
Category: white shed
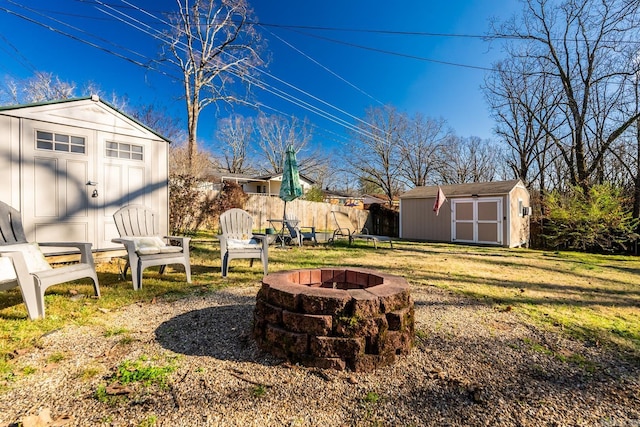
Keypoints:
pixel 68 165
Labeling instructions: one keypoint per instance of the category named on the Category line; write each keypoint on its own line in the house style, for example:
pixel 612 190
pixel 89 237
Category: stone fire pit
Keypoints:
pixel 335 317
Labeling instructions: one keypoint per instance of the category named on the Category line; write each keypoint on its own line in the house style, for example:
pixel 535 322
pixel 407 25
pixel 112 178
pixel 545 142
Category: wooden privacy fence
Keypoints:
pixel 318 214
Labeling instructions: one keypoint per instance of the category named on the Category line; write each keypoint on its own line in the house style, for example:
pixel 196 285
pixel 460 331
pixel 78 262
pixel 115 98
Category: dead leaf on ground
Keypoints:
pixel 43 419
pixel 50 367
pixel 117 389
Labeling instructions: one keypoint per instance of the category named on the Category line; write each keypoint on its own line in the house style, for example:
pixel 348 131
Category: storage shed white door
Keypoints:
pixel 477 220
pixel 125 169
pixel 56 169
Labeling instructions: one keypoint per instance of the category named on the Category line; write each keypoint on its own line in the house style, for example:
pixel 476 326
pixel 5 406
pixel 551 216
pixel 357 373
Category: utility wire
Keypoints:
pixel 388 52
pixel 325 68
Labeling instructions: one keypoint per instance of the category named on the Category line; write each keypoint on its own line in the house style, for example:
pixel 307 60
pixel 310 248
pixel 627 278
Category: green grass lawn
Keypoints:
pixel 591 297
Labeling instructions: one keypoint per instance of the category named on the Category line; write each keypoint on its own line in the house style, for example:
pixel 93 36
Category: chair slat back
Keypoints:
pixel 236 224
pixel 343 221
pixel 11 230
pixel 136 220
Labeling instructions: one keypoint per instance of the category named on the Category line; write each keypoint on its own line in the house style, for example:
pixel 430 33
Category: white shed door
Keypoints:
pixel 57 203
pixel 125 169
pixel 477 220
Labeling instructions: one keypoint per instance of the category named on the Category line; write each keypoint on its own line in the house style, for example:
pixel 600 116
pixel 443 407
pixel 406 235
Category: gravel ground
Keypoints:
pixel 472 365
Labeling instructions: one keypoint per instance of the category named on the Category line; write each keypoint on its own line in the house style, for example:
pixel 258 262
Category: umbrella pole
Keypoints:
pixel 284 224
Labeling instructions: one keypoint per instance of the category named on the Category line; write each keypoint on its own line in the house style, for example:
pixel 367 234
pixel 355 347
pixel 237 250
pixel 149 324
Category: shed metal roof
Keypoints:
pixel 463 190
pixel 95 98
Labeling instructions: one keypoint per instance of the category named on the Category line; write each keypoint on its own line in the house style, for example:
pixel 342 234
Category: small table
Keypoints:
pixel 280 224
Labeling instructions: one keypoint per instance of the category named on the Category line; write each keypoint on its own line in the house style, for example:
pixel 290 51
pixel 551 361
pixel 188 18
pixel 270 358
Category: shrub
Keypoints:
pixel 597 221
pixel 185 204
pixel 314 194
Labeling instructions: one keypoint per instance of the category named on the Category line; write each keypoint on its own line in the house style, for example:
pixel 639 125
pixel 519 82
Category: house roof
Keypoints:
pixel 278 175
pixel 463 190
pixel 94 98
pixel 243 177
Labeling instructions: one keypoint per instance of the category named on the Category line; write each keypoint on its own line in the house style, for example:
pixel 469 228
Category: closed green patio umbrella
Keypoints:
pixel 290 189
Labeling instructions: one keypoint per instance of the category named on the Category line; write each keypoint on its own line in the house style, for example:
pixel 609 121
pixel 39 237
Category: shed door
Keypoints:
pixel 57 202
pixel 125 169
pixel 477 220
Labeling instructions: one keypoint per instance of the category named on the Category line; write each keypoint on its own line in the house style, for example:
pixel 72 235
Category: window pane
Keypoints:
pixel 62 138
pixel 62 147
pixel 43 145
pixel 124 151
pixel 45 135
pixel 77 149
pixel 77 140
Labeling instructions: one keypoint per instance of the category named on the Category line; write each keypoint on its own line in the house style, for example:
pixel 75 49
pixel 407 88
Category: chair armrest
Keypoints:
pixel 223 242
pixel 343 231
pixel 129 244
pixel 264 239
pixel 84 248
pixel 184 240
pixel 365 230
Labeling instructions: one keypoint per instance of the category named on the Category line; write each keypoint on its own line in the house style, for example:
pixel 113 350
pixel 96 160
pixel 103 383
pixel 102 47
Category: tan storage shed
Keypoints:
pixel 491 213
pixel 67 166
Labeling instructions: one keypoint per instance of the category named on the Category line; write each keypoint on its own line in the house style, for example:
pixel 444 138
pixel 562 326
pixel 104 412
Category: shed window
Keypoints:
pixel 121 150
pixel 60 142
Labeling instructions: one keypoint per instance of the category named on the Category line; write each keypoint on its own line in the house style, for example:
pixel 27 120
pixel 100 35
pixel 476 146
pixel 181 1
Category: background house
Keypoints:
pixel 256 184
pixel 493 213
pixel 69 165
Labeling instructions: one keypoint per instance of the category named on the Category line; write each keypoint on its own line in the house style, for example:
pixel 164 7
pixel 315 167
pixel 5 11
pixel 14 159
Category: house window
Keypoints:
pixel 60 142
pixel 125 151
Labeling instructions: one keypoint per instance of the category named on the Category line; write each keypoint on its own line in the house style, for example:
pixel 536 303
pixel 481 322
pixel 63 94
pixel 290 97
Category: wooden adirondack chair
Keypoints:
pixel 237 240
pixel 23 264
pixel 139 227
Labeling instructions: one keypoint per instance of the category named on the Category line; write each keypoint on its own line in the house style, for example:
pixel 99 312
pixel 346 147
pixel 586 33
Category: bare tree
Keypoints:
pixel 419 147
pixel 580 45
pixel 275 133
pixel 374 155
pixel 43 86
pixel 181 166
pixel 520 102
pixel 157 117
pixel 214 44
pixel 466 160
pixel 234 135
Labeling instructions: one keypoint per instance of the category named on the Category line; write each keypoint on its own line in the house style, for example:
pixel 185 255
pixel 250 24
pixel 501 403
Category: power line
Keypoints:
pixel 388 52
pixel 326 68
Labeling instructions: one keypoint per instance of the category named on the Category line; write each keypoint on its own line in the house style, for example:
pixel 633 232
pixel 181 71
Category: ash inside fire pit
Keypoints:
pixel 335 318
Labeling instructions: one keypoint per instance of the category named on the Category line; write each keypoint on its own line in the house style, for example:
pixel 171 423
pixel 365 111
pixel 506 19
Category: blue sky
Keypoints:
pixel 410 84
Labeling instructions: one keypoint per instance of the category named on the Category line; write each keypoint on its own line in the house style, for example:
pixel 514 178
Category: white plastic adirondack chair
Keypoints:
pixel 146 247
pixel 23 264
pixel 238 240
